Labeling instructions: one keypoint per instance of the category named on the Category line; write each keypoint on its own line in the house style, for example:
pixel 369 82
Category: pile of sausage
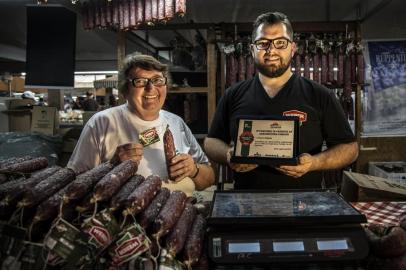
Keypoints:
pixel 127 14
pixel 170 221
pixel 388 246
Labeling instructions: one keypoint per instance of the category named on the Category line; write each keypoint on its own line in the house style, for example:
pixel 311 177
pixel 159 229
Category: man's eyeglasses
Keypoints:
pixel 142 82
pixel 277 43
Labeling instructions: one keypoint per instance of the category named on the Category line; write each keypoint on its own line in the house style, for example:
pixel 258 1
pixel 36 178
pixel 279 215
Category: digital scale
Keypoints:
pixel 246 227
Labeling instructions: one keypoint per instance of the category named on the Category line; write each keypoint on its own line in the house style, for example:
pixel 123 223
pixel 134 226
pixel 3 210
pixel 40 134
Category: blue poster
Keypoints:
pixel 384 103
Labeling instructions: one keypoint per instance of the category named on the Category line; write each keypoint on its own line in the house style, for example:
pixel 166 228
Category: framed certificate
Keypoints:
pixel 267 140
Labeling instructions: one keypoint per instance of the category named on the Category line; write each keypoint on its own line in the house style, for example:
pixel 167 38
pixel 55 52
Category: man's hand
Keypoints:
pixel 239 167
pixel 128 151
pixel 182 165
pixel 304 166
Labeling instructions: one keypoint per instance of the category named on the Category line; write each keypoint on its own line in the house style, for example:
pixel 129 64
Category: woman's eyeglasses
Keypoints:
pixel 142 82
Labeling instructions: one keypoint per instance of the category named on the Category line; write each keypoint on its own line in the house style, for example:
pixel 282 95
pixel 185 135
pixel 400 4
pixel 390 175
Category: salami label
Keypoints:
pixel 149 136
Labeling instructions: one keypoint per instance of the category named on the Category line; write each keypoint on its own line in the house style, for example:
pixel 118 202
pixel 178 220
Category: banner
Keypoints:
pixel 384 104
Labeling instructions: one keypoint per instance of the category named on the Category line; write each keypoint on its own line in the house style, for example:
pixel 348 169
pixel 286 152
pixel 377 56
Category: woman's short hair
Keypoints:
pixel 137 60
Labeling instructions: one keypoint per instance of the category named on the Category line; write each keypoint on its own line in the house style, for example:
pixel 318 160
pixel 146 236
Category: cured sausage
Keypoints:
pixel 340 72
pixel 250 70
pixel 148 216
pixel 48 209
pixel 112 182
pixel 390 243
pixel 180 7
pixel 13 160
pixel 26 166
pixel 241 68
pixel 316 66
pixel 360 68
pixel 142 196
pixel 194 243
pixel 330 60
pixel 169 9
pixel 177 237
pixel 169 214
pixel 306 66
pixel 14 190
pixel 47 187
pixel 119 198
pixel 169 149
pixel 324 68
pixel 84 182
pixel 298 64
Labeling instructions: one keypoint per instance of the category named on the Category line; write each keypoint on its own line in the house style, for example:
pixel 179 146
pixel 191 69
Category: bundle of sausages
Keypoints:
pixel 126 14
pixel 388 246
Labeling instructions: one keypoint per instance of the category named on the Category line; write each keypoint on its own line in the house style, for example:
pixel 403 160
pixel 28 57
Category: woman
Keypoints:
pixel 116 132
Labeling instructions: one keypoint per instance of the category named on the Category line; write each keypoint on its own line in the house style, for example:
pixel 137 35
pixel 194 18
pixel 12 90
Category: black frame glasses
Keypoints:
pixel 280 43
pixel 142 82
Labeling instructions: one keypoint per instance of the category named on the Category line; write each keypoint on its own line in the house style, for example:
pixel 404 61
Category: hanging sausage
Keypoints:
pixel 180 7
pixel 169 9
pixel 250 70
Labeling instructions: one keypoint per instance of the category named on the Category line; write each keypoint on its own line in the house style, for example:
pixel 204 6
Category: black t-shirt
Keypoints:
pixel 321 119
pixel 90 105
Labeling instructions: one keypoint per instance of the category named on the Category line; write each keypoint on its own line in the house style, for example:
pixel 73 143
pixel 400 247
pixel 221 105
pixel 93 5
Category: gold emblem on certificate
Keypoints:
pixel 270 140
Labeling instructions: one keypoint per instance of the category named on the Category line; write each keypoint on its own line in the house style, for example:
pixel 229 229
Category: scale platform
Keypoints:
pixel 247 227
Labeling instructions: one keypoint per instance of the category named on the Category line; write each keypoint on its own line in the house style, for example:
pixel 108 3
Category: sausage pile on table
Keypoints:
pixel 106 218
pixel 129 14
pixel 387 246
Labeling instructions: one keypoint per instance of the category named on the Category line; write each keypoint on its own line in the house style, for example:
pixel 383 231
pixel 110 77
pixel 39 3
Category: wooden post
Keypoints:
pixel 211 76
pixel 121 49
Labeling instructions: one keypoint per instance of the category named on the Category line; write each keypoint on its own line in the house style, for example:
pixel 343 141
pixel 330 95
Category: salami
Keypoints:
pixel 180 7
pixel 148 12
pixel 148 216
pixel 117 202
pixel 142 196
pixel 298 64
pixel 14 190
pixel 390 243
pixel 250 70
pixel 241 68
pixel 140 12
pixel 169 9
pixel 306 66
pixel 360 68
pixel 232 70
pixel 324 68
pixel 26 166
pixel 169 214
pixel 340 72
pixel 194 242
pixel 169 149
pixel 133 13
pixel 84 182
pixel 316 66
pixel 177 237
pixel 330 73
pixel 161 10
pixel 47 187
pixel 48 209
pixel 112 182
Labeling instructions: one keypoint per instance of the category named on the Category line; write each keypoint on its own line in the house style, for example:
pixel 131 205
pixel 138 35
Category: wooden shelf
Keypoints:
pixel 187 90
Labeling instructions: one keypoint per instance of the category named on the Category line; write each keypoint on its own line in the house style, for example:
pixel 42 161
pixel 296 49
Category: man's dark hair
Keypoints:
pixel 137 60
pixel 271 18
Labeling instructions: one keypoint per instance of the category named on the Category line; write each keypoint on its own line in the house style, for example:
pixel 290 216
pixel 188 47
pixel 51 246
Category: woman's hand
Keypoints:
pixel 128 151
pixel 182 165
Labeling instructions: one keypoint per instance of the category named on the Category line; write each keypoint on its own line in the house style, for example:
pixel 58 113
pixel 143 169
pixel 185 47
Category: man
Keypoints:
pixel 275 90
pixel 135 131
pixel 90 104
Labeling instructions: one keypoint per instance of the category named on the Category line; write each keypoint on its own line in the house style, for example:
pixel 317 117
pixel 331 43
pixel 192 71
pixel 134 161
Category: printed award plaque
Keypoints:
pixel 268 140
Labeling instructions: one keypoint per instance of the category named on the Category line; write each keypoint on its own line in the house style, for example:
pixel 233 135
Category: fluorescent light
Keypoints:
pixel 95 72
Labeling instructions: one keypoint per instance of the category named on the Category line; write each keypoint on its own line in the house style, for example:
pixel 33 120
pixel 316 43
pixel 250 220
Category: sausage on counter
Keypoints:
pixel 169 214
pixel 391 243
pixel 112 182
pixel 177 236
pixel 148 216
pixel 194 243
pixel 142 196
pixel 84 182
pixel 26 166
pixel 117 202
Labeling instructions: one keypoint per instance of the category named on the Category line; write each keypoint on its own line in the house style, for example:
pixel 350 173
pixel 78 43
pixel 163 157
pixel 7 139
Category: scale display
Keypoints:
pixel 279 207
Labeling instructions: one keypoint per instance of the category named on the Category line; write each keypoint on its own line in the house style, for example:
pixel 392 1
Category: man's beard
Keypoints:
pixel 270 71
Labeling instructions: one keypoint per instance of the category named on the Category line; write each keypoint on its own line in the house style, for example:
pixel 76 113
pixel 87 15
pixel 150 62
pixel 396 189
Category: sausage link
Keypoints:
pixel 169 149
pixel 148 216
pixel 84 182
pixel 112 182
pixel 26 166
pixel 119 198
pixel 47 187
pixel 177 236
pixel 169 214
pixel 194 243
pixel 142 196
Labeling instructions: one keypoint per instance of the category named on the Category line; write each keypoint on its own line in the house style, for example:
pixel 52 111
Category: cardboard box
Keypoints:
pixel 358 187
pixel 393 170
pixel 44 120
pixel 19 114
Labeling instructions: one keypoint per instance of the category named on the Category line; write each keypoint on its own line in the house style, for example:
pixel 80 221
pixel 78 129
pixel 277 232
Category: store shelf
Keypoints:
pixel 188 90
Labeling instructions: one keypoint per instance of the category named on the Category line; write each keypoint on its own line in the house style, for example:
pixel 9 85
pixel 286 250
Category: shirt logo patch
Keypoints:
pixel 302 115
